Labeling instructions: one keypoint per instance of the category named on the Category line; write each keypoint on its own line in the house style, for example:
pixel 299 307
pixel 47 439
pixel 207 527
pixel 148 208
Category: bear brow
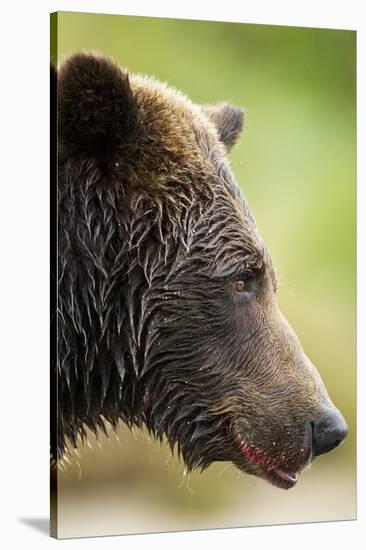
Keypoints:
pixel 244 261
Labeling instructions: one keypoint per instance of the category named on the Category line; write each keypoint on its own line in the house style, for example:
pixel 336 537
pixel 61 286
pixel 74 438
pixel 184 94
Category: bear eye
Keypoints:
pixel 239 286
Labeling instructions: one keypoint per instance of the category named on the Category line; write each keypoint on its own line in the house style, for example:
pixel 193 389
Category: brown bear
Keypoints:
pixel 166 306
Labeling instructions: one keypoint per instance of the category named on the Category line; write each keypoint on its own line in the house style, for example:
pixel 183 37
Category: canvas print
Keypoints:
pixel 202 275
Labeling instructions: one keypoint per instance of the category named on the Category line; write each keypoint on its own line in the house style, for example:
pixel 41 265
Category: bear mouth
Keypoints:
pixel 267 467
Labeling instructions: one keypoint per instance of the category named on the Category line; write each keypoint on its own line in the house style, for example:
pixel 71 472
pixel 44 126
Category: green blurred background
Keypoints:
pixel 296 164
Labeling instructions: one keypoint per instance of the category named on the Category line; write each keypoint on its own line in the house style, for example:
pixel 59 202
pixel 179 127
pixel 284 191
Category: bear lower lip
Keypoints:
pixel 281 479
pixel 270 471
pixel 286 476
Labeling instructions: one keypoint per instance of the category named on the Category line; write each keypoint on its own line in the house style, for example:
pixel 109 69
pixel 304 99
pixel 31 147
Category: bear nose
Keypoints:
pixel 329 430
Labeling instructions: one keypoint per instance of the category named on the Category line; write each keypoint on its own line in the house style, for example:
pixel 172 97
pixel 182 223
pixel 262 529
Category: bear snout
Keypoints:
pixel 329 429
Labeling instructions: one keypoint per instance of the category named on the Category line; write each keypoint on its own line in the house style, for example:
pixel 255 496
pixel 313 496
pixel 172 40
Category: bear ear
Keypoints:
pixel 228 121
pixel 96 107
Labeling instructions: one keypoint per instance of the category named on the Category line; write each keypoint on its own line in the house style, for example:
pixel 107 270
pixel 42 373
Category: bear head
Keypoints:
pixel 167 312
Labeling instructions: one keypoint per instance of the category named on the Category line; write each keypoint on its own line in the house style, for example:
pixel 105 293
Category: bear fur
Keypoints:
pixel 166 313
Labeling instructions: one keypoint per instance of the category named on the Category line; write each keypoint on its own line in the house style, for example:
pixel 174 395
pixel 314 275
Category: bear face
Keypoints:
pixel 167 314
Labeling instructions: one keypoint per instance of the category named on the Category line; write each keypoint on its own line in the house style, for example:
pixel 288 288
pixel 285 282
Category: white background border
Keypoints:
pixel 24 241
